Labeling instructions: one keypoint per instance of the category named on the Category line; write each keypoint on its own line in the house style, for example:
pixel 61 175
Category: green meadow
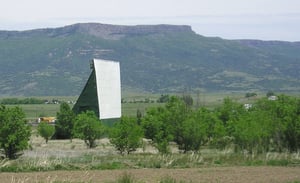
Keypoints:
pixel 131 102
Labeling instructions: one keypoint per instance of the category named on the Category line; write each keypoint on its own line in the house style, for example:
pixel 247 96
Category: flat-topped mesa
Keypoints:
pixel 115 31
pixel 105 31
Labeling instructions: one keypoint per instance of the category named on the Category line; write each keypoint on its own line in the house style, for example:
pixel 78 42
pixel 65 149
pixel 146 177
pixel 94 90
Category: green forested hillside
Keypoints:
pixel 158 58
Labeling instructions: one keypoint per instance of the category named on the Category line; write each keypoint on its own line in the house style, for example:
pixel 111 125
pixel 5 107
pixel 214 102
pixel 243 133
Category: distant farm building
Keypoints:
pixel 102 92
pixel 46 119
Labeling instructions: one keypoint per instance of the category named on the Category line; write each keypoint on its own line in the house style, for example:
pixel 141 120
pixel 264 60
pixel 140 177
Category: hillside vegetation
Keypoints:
pixel 156 58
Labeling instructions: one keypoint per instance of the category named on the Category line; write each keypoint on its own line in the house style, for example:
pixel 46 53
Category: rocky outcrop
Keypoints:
pixel 111 31
pixel 106 31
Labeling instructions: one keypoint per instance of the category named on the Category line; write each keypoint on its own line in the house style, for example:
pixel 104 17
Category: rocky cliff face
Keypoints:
pixel 113 31
pixel 105 31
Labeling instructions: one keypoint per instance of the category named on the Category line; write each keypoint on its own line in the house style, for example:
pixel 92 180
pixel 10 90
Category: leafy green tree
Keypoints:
pixel 88 128
pixel 157 129
pixel 14 132
pixel 214 126
pixel 65 122
pixel 288 110
pixel 165 124
pixel 199 128
pixel 126 135
pixel 46 130
pixel 152 121
pixel 229 113
pixel 253 131
pixel 269 125
pixel 193 134
pixel 176 113
pixel 271 110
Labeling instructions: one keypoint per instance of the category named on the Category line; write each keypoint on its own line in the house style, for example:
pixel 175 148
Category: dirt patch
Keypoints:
pixel 212 174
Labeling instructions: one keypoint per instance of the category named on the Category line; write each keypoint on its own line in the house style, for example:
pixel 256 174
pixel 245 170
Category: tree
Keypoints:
pixel 285 121
pixel 177 111
pixel 229 114
pixel 65 122
pixel 126 135
pixel 253 131
pixel 14 132
pixel 46 130
pixel 157 129
pixel 200 127
pixel 88 128
pixel 287 113
pixel 193 135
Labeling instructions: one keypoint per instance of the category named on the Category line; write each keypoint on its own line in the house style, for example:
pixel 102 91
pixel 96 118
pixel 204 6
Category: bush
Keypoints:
pixel 88 128
pixel 14 132
pixel 126 135
pixel 46 130
pixel 65 122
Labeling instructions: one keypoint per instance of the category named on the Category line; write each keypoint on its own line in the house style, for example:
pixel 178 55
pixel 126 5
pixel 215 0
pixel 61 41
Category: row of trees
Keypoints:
pixel 266 126
pixel 9 101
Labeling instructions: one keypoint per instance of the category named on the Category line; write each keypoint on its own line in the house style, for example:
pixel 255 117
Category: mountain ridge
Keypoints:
pixel 153 58
pixel 101 30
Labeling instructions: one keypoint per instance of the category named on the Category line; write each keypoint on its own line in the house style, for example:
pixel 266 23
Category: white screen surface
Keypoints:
pixel 108 88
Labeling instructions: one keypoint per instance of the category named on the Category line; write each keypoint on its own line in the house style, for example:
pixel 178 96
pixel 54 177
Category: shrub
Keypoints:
pixel 88 128
pixel 14 132
pixel 65 122
pixel 126 135
pixel 46 130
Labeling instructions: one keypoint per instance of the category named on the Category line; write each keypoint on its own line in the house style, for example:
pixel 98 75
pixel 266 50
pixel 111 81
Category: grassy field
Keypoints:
pixel 132 103
pixel 71 161
pixel 33 111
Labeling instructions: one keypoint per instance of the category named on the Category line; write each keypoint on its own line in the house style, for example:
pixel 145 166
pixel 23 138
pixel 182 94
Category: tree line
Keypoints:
pixel 268 125
pixel 14 101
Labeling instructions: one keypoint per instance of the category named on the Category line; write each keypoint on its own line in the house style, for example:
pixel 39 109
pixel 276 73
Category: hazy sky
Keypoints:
pixel 230 19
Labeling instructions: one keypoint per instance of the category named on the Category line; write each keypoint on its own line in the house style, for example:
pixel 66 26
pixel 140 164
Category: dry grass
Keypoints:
pixel 71 161
pixel 212 174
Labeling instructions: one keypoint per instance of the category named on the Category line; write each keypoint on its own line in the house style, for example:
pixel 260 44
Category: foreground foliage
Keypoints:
pixel 88 128
pixel 65 122
pixel 269 125
pixel 46 130
pixel 14 132
pixel 126 135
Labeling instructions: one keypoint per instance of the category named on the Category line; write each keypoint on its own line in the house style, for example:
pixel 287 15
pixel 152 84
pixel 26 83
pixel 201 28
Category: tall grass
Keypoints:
pixel 133 161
